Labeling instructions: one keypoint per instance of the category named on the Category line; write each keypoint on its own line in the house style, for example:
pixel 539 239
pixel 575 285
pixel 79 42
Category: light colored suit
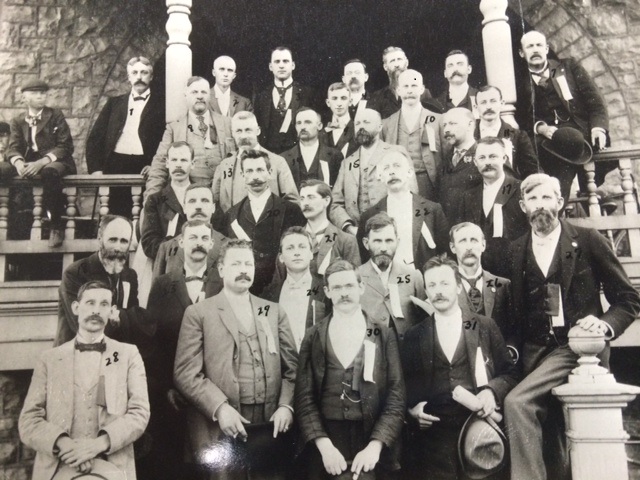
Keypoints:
pixel 204 166
pixel 347 186
pixel 207 363
pixel 229 188
pixel 237 104
pixel 432 159
pixel 376 300
pixel 48 409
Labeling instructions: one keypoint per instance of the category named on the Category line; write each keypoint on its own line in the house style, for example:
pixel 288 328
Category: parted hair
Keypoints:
pixel 443 261
pixel 378 222
pixel 179 144
pixel 295 231
pixel 254 153
pixel 488 88
pixel 536 179
pixel 340 266
pixel 107 219
pixel 233 243
pixel 459 226
pixel 143 60
pixel 357 60
pixel 457 52
pixel 491 141
pixel 94 285
pixel 196 223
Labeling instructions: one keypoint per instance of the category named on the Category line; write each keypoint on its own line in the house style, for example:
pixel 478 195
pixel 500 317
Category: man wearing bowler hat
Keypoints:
pixel 41 143
pixel 450 349
pixel 553 94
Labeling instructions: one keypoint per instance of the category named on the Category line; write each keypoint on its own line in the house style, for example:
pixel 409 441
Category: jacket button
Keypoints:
pixel 235 357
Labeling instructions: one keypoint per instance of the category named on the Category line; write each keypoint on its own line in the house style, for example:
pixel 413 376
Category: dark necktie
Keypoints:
pixel 474 294
pixel 32 120
pixel 282 102
pixel 542 77
pixel 457 156
pixel 135 99
pixel 193 278
pixel 91 347
pixel 202 126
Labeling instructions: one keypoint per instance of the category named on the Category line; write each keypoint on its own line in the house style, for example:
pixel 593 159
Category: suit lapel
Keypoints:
pixel 227 317
pixel 418 219
pixel 63 381
pixel 471 339
pixel 557 70
pixel 372 279
pixel 354 172
pixel 377 155
pixel 326 243
pixel 393 134
pixel 235 100
pixel 214 102
pixel 509 187
pixel 180 289
pixel 218 124
pixel 488 292
pixel 296 95
pixel 171 200
pixel 261 315
pixel 110 373
pixel 146 111
pixel 44 119
pixel 569 251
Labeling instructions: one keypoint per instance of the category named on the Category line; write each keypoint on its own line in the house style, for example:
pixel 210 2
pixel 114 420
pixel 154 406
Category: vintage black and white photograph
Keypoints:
pixel 319 239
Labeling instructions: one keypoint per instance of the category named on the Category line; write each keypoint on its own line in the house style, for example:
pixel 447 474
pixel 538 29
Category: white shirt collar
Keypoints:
pixel 258 203
pixel 144 94
pixel 342 121
pixel 286 83
pixel 357 315
pixel 458 91
pixel 489 130
pixel 454 318
pixel 81 339
pixel 304 281
pixel 309 152
pixel 400 198
pixel 219 93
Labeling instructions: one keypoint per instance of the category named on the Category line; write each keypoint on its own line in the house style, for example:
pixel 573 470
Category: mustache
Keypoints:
pixel 95 316
pixel 306 208
pixel 111 254
pixel 488 168
pixel 245 142
pixel 243 276
pixel 354 81
pixel 178 170
pixel 489 110
pixel 255 183
pixel 456 72
pixel 199 249
pixel 438 297
pixel 140 82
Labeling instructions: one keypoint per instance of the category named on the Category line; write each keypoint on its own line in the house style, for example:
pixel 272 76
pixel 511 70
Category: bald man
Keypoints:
pixel 224 100
pixel 358 185
pixel 459 174
pixel 417 129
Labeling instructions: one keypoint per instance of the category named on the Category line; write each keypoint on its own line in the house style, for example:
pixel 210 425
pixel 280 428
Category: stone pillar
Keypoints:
pixel 178 56
pixel 593 403
pixel 498 54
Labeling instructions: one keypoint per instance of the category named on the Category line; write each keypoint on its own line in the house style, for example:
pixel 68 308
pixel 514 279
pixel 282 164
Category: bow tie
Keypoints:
pixel 91 347
pixel 193 278
pixel 32 120
pixel 135 99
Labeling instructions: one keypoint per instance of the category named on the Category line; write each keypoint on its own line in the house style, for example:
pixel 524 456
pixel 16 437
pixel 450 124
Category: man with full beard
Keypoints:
pixel 387 100
pixel 108 265
pixel 557 272
pixel 358 185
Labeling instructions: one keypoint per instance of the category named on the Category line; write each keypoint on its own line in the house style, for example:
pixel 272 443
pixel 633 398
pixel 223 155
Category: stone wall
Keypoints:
pixel 15 458
pixel 80 47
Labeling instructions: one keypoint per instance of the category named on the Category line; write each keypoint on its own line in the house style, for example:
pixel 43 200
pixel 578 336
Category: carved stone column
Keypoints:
pixel 498 54
pixel 593 403
pixel 178 56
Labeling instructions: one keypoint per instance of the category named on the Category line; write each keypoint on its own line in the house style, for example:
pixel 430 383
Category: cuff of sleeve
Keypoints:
pixel 13 160
pixel 106 434
pixel 52 157
pixel 515 355
pixel 287 406
pixel 55 450
pixel 536 125
pixel 611 334
pixel 599 129
pixel 347 224
pixel 214 417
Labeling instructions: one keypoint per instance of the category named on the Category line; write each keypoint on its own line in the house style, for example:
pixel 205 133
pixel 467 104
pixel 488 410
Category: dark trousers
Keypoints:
pixel 120 201
pixel 533 417
pixel 53 200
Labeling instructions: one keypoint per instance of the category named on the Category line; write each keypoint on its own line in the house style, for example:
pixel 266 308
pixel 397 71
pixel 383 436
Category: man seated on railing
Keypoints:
pixel 41 143
pixel 109 265
pixel 5 130
pixel 163 212
pixel 205 130
pixel 557 272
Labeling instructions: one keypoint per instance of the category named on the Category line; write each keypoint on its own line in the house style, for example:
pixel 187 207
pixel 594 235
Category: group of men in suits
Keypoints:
pixel 299 271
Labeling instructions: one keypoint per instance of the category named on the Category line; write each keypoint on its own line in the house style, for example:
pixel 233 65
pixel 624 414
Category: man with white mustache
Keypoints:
pixel 557 273
pixel 494 205
pixel 205 130
pixel 236 365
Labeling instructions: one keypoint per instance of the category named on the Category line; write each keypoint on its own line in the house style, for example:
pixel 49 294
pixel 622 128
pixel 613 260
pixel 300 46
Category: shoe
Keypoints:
pixel 56 236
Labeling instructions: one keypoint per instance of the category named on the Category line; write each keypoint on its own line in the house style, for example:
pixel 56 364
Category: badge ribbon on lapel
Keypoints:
pixel 481 371
pixel 426 234
pixel 369 360
pixel 271 343
pixel 239 231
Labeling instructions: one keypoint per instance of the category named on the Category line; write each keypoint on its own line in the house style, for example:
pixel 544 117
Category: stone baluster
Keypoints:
pixel 72 212
pixel 4 212
pixel 593 403
pixel 594 205
pixel 629 201
pixel 103 193
pixel 36 226
pixel 178 56
pixel 498 54
pixel 136 196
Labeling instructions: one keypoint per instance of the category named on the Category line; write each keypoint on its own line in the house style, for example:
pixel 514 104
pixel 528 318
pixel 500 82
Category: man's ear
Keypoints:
pixel 365 242
pixel 521 202
pixel 521 53
pixel 75 307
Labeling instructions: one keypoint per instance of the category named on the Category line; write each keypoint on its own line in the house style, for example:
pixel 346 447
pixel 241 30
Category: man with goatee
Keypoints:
pixel 557 273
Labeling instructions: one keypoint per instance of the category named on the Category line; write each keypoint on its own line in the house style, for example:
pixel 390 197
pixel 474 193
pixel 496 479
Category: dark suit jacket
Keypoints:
pixel 346 139
pixel 277 216
pixel 341 245
pixel 386 103
pixel 168 300
pixel 424 212
pixel 317 305
pixel 237 104
pixel 467 102
pixel 417 356
pixel 52 136
pixel 454 181
pixel 497 302
pixel 135 327
pixel 170 257
pixel 332 157
pixel 587 108
pixel 160 208
pixel 524 158
pixel 587 264
pixel 514 222
pixel 106 131
pixel 302 96
pixel 383 401
pixel 207 363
